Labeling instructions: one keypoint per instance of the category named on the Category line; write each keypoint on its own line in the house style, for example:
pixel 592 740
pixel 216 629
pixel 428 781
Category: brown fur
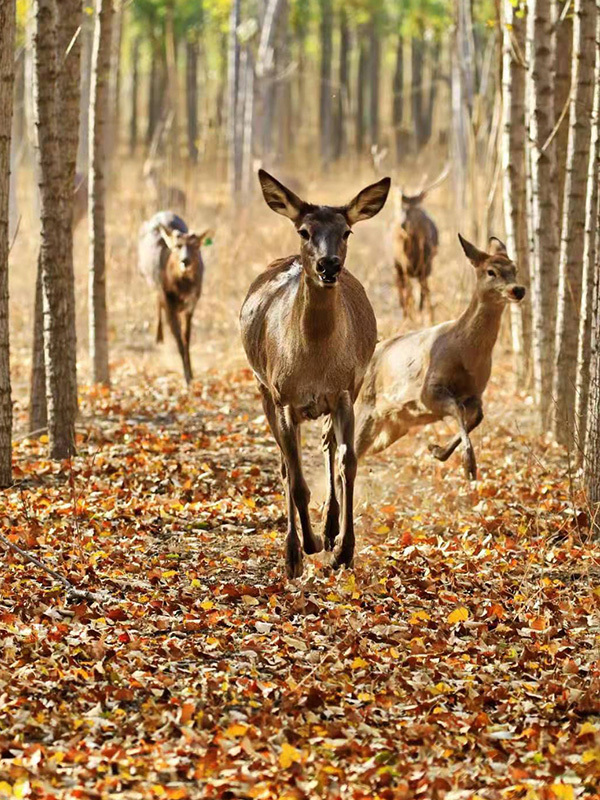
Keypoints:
pixel 309 332
pixel 424 376
pixel 415 247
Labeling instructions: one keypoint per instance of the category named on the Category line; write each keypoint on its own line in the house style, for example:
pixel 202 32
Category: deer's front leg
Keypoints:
pixel 297 488
pixel 450 406
pixel 343 425
pixel 331 521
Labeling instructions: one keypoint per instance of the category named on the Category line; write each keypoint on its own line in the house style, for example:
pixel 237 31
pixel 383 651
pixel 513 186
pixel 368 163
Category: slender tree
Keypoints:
pixel 590 262
pixel 135 91
pixel 191 96
pixel 325 104
pixel 573 223
pixel 374 73
pixel 7 75
pixel 98 318
pixel 361 99
pixel 591 463
pixel 233 89
pixel 563 26
pixel 542 201
pixel 515 189
pixel 56 198
pixel 398 96
pixel 344 85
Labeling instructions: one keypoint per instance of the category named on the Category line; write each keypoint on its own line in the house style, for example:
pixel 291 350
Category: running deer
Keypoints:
pixel 421 377
pixel 309 332
pixel 415 246
pixel 170 259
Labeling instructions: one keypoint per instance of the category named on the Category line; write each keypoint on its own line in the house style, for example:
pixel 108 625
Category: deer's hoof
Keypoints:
pixel 342 558
pixel 436 451
pixel 470 466
pixel 293 559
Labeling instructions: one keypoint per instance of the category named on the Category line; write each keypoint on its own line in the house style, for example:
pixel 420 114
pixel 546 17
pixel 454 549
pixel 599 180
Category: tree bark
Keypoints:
pixel 542 200
pixel 361 79
pixel 344 86
pixel 86 35
pixel 152 94
pixel 416 54
pixel 59 343
pixel 7 75
pixel 562 89
pixel 98 319
pixel 233 89
pixel 515 188
pixel 135 90
pixel 325 104
pixel 398 97
pixel 590 261
pixel 114 114
pixel 573 223
pixel 591 462
pixel 172 90
pixel 191 84
pixel 433 83
pixel 38 407
pixel 374 72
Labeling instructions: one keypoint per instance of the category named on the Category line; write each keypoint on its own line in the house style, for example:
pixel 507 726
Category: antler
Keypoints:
pixel 425 187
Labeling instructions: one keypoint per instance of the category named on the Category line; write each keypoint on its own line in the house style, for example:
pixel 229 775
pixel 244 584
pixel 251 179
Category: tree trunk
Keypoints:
pixel 86 35
pixel 361 79
pixel 343 93
pixel 325 104
pixel 590 262
pixel 38 407
pixel 591 463
pixel 135 90
pixel 98 321
pixel 70 14
pixel 573 224
pixel 515 188
pixel 247 73
pixel 416 53
pixel 59 343
pixel 7 75
pixel 191 94
pixel 398 97
pixel 114 114
pixel 562 89
pixel 433 83
pixel 152 94
pixel 172 90
pixel 542 200
pixel 233 89
pixel 374 70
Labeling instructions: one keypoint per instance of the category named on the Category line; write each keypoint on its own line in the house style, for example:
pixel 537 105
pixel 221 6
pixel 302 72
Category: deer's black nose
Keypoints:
pixel 329 265
pixel 186 261
pixel 518 292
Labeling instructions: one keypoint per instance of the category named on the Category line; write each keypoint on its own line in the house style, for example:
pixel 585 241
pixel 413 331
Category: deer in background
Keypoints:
pixel 309 332
pixel 170 259
pixel 163 194
pixel 421 377
pixel 415 246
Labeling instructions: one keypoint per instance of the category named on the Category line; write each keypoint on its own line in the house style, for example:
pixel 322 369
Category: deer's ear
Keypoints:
pixel 279 198
pixel 166 236
pixel 496 247
pixel 368 202
pixel 206 236
pixel 475 256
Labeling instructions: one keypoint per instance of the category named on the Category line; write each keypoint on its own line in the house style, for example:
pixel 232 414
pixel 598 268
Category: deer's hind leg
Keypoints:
pixel 331 519
pixel 159 323
pixel 343 424
pixel 468 415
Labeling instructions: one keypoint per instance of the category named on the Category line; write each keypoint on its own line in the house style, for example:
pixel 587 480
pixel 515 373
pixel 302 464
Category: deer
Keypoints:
pixel 170 259
pixel 309 331
pixel 416 242
pixel 442 371
pixel 163 194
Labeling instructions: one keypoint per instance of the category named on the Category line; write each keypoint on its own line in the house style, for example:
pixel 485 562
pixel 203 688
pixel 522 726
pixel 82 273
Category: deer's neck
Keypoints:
pixel 316 310
pixel 479 325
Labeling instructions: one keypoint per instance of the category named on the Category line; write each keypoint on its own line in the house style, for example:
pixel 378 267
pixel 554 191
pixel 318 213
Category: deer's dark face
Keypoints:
pixel 324 234
pixel 185 250
pixel 496 273
pixel 324 230
pixel 412 200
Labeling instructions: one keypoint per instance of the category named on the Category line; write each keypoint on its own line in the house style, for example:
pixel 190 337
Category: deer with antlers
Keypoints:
pixel 309 332
pixel 415 246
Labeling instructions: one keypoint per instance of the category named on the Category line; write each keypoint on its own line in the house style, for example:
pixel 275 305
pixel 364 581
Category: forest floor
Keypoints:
pixel 460 657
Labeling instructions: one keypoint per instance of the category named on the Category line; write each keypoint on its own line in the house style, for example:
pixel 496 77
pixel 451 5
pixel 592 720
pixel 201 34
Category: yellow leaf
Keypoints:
pixel 235 730
pixel 394 653
pixel 5 789
pixel 21 788
pixel 562 791
pixel 587 727
pixel 358 663
pixel 288 755
pixel 591 755
pixel 333 597
pixel 382 529
pixel 419 616
pixel 207 604
pixel 169 573
pixel 365 697
pixel 196 584
pixel 458 615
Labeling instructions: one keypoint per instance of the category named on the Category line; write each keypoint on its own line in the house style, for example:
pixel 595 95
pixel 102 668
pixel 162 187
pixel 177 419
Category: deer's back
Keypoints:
pixel 416 242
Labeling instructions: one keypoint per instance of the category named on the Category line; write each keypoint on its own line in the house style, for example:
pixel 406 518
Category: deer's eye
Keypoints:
pixel 347 235
pixel 304 234
pixel 491 273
